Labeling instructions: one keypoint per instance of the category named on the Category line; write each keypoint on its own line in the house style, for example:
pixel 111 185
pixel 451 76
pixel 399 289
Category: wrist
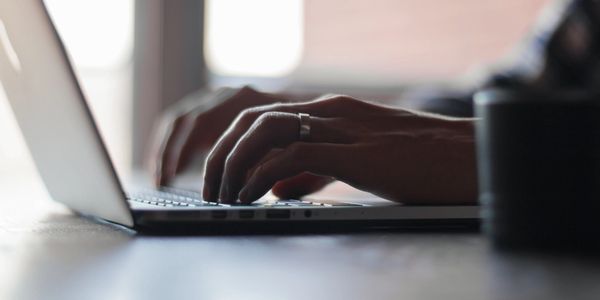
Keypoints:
pixel 465 126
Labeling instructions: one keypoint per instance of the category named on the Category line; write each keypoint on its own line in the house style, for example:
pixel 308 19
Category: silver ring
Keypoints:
pixel 304 126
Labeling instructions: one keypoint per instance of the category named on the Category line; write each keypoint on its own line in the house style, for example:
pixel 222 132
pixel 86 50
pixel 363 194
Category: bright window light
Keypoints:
pixel 254 38
pixel 98 33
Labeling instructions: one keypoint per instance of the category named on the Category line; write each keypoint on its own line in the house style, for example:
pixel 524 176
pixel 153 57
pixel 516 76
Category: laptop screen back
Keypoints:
pixel 53 116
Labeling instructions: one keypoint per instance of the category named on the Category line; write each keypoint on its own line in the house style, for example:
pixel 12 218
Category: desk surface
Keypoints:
pixel 48 253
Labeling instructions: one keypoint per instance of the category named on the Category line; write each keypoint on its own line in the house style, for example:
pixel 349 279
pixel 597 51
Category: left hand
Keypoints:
pixel 397 154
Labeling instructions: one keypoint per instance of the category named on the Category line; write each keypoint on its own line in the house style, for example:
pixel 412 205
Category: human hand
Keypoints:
pixel 193 125
pixel 398 154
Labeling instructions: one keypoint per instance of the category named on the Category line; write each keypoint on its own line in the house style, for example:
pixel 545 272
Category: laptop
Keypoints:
pixel 74 164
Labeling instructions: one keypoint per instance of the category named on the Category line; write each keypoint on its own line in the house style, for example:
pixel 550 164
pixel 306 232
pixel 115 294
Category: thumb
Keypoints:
pixel 300 185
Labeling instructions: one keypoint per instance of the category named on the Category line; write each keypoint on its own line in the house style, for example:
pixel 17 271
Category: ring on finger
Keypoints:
pixel 304 126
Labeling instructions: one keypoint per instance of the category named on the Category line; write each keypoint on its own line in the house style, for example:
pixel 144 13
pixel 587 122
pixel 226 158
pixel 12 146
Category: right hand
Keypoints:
pixel 193 126
pixel 398 154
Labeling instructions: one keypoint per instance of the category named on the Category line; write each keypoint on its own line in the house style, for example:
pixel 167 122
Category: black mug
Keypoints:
pixel 539 168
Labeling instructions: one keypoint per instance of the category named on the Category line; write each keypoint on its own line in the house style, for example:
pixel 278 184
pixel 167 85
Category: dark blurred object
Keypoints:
pixel 539 168
pixel 449 103
pixel 561 52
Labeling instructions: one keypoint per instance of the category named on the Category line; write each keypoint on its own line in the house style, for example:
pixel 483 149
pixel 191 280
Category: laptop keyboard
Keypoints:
pixel 170 197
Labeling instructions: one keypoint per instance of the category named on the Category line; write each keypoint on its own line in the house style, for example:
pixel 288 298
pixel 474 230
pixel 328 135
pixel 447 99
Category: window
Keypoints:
pixel 253 38
pixel 396 41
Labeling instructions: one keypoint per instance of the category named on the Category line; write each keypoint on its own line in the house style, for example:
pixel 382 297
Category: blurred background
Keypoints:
pixel 136 57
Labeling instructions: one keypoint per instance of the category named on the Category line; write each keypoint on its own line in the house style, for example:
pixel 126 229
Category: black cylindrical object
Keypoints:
pixel 539 168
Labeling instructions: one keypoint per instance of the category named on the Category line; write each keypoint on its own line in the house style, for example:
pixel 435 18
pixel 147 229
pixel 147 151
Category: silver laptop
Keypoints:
pixel 72 160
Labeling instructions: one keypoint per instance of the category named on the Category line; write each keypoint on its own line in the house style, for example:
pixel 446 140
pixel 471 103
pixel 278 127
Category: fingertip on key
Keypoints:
pixel 159 180
pixel 244 195
pixel 206 193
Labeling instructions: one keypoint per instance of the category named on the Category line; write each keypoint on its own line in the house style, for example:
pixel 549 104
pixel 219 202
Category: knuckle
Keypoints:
pixel 336 99
pixel 248 115
pixel 246 89
pixel 268 119
pixel 327 97
pixel 252 115
pixel 342 99
pixel 241 92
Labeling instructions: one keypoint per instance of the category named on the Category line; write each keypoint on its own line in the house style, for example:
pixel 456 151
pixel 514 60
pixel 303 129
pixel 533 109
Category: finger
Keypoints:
pixel 164 170
pixel 196 133
pixel 300 185
pixel 272 130
pixel 215 160
pixel 181 149
pixel 297 186
pixel 213 166
pixel 332 106
pixel 329 160
pixel 177 138
pixel 192 136
pixel 162 131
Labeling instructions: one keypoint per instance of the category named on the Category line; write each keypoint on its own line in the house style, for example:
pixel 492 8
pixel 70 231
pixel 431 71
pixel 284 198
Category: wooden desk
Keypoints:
pixel 48 253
